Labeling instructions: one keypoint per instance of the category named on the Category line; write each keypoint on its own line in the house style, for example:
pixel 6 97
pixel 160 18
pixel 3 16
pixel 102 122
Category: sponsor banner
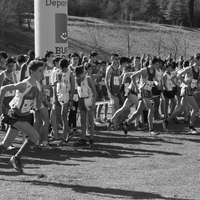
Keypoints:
pixel 51 27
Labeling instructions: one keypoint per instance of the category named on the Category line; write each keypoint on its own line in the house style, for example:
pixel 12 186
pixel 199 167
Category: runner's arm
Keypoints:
pixel 19 86
pixel 92 86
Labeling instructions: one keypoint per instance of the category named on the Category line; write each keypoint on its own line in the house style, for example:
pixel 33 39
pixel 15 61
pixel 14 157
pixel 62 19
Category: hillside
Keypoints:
pixel 87 34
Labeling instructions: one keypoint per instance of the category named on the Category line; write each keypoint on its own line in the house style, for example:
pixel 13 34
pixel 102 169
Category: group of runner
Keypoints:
pixel 43 91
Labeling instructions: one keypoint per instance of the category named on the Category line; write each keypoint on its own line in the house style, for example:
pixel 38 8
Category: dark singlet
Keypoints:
pixel 114 82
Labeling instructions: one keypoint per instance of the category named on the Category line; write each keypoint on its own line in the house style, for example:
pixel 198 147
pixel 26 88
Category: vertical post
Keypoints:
pixel 51 34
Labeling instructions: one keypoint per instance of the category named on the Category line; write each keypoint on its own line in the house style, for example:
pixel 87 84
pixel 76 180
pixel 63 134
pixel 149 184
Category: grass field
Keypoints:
pixel 111 37
pixel 87 34
pixel 137 166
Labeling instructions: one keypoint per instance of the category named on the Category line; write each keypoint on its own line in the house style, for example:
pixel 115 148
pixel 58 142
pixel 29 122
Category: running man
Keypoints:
pixel 190 82
pixel 145 94
pixel 27 93
pixel 64 93
pixel 112 81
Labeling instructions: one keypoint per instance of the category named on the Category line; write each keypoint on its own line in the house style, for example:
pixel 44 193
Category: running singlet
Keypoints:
pixel 146 85
pixel 48 73
pixel 147 82
pixel 114 82
pixel 75 98
pixel 192 79
pixel 8 81
pixel 23 102
pixel 127 85
pixel 84 91
pixel 169 82
pixel 193 83
pixel 63 86
pixel 103 85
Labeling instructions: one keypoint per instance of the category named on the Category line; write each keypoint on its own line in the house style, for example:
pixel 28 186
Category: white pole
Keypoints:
pixel 51 27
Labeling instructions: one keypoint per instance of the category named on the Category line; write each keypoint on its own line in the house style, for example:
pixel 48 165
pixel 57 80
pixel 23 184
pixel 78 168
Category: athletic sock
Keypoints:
pixel 25 146
pixel 2 148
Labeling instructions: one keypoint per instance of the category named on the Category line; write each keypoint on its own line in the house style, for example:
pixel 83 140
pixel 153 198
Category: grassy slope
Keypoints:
pixel 109 35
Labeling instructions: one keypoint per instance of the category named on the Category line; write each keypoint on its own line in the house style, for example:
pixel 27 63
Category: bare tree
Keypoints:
pixel 7 8
pixel 156 41
pixel 127 34
pixel 95 36
pixel 173 43
pixel 185 45
pixel 24 12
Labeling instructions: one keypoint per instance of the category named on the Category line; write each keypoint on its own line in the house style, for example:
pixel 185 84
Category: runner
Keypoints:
pixel 27 92
pixel 128 89
pixel 145 94
pixel 190 85
pixel 87 98
pixel 73 110
pixel 65 86
pixel 24 69
pixel 3 57
pixel 48 88
pixel 20 61
pixel 168 89
pixel 112 81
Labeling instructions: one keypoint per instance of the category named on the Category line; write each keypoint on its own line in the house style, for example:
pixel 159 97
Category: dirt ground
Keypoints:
pixel 136 166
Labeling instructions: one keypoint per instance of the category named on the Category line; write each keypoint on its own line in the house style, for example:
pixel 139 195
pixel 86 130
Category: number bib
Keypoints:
pixel 27 105
pixel 116 80
pixel 10 93
pixel 148 86
pixel 170 86
pixel 103 81
pixel 83 91
pixel 47 92
pixel 193 84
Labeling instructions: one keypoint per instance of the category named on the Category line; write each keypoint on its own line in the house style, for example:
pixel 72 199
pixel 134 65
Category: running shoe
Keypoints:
pixel 193 130
pixel 48 147
pixel 125 128
pixel 153 133
pixel 11 147
pixel 165 125
pixel 16 163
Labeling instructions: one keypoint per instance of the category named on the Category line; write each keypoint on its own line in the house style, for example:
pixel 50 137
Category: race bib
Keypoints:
pixel 116 80
pixel 14 102
pixel 27 105
pixel 75 97
pixel 103 81
pixel 148 86
pixel 170 86
pixel 47 92
pixel 83 91
pixel 10 93
pixel 193 83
